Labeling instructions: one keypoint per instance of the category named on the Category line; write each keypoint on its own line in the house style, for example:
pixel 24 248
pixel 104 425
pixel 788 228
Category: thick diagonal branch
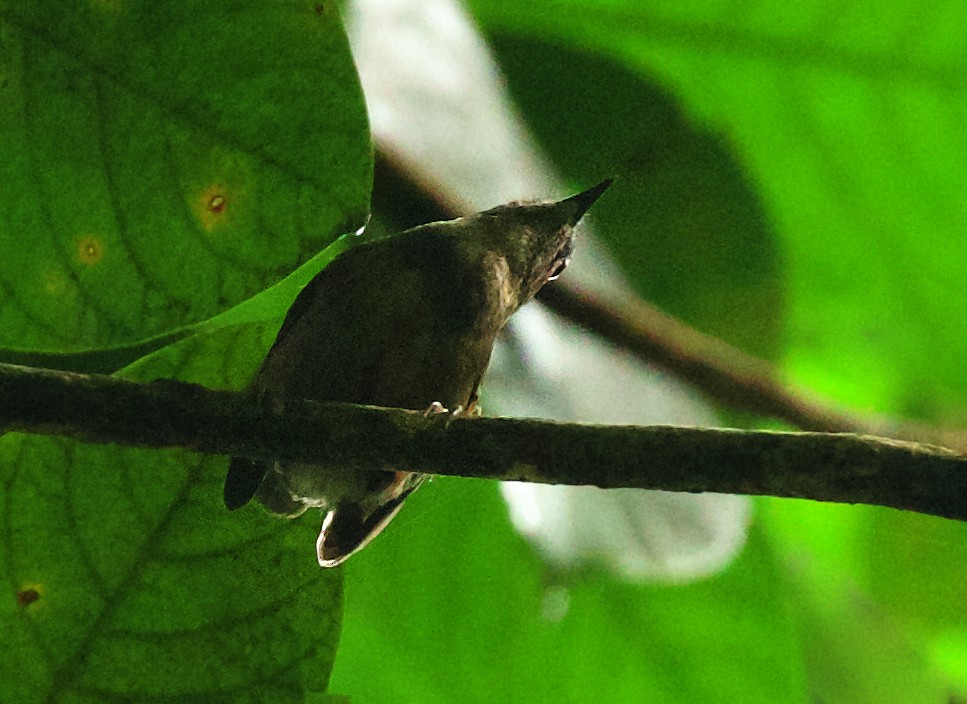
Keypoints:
pixel 843 468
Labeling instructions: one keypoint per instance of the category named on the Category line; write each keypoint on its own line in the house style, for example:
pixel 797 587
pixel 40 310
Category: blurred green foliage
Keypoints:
pixel 790 180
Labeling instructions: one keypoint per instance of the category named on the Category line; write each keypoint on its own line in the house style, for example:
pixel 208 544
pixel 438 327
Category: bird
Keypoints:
pixel 405 321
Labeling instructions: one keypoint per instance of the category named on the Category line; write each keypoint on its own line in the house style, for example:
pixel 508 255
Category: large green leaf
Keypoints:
pixel 847 119
pixel 163 161
pixel 860 644
pixel 451 605
pixel 127 578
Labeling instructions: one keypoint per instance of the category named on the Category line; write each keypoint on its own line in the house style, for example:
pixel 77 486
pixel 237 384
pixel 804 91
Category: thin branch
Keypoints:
pixel 725 373
pixel 842 468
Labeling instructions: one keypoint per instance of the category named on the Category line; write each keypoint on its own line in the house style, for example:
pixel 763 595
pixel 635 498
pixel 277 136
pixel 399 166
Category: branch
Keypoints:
pixel 723 372
pixel 841 468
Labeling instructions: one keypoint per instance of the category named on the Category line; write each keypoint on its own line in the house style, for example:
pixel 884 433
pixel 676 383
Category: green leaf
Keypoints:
pixel 453 585
pixel 162 161
pixel 847 124
pixel 128 557
pixel 862 644
pixel 140 584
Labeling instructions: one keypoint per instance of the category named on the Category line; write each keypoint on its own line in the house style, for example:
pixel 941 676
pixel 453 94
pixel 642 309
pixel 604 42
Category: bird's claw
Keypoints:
pixel 437 409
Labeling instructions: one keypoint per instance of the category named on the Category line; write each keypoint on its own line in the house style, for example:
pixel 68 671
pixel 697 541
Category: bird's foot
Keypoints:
pixel 437 409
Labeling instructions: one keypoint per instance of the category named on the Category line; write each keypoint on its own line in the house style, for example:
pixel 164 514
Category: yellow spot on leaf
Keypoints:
pixel 213 207
pixel 90 250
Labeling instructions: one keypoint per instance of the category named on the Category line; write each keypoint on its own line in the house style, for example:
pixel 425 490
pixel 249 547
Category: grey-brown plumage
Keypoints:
pixel 406 321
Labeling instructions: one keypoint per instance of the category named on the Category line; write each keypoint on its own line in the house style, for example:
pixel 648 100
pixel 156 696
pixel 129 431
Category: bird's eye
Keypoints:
pixel 558 267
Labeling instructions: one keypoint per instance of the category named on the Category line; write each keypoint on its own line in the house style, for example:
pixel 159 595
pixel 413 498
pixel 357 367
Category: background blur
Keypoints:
pixel 789 179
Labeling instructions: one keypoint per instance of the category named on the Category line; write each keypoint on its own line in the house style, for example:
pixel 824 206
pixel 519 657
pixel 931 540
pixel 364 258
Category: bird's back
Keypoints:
pixel 383 324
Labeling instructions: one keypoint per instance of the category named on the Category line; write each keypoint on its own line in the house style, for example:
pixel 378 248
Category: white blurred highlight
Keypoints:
pixel 653 536
pixel 436 103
